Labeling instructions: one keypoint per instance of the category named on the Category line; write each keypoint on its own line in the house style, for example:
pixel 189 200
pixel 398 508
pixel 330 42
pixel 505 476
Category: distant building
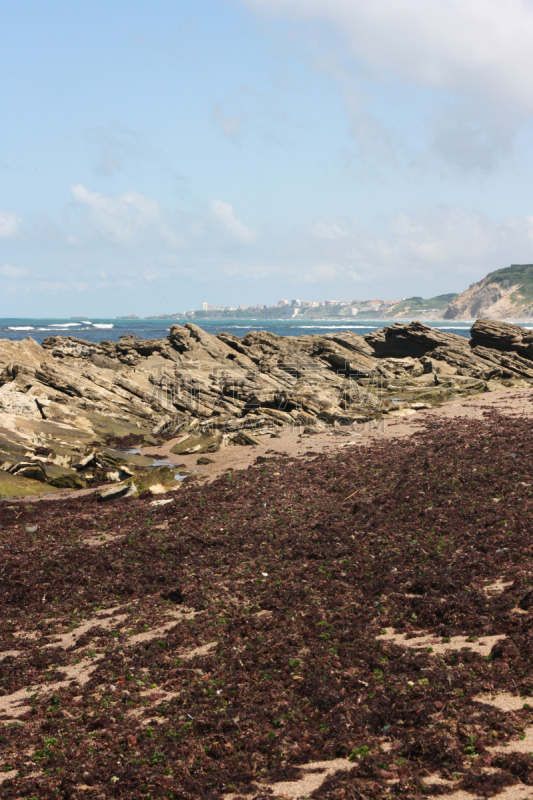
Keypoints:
pixel 220 308
pixel 204 307
pixel 243 307
pixel 313 304
pixel 283 303
pixel 333 302
pixel 231 308
pixel 354 311
pixel 296 303
pixel 260 306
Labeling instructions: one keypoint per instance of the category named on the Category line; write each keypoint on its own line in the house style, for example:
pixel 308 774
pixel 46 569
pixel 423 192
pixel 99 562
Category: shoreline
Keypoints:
pixel 291 443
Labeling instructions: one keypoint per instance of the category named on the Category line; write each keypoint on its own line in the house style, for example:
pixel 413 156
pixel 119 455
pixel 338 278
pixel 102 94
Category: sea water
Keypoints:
pixel 112 329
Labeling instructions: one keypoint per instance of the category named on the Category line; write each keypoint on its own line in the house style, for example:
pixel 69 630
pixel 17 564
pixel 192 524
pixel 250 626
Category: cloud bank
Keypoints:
pixel 460 46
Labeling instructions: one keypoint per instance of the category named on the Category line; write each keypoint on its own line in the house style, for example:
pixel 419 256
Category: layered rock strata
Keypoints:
pixel 66 400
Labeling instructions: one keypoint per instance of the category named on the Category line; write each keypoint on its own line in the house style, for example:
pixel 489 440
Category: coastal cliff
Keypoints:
pixel 504 294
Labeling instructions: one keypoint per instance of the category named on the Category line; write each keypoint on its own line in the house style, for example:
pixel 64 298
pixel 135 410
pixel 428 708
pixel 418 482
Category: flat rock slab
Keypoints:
pixel 15 486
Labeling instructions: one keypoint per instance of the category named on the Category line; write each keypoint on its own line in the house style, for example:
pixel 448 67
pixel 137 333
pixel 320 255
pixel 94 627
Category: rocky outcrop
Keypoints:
pixel 502 336
pixel 412 339
pixel 496 350
pixel 69 398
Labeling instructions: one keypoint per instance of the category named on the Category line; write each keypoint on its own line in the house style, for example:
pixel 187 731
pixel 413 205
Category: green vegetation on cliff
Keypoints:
pixel 511 276
pixel 418 305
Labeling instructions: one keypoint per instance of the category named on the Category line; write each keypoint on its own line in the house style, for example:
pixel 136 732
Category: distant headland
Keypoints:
pixel 503 294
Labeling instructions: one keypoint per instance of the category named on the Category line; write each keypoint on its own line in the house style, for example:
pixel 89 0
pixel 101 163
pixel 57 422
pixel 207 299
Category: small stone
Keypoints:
pixel 119 490
pixel 205 460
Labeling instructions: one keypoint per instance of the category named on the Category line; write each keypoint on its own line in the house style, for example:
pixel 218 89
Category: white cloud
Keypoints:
pixel 7 271
pixel 369 132
pixel 472 59
pixel 480 45
pixel 10 224
pixel 224 217
pixel 126 218
pixel 116 143
pixel 455 244
pixel 231 126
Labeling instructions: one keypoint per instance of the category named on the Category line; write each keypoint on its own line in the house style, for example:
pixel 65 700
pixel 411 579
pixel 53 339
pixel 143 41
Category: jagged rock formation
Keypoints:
pixel 62 403
pixel 503 294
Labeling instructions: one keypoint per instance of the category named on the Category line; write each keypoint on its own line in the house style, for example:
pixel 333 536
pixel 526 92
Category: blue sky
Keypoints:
pixel 156 155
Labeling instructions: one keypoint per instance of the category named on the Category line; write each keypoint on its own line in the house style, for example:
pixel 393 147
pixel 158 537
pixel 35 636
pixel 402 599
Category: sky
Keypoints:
pixel 157 155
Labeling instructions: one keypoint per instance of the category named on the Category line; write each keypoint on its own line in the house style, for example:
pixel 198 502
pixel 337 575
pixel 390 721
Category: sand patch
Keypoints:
pixel 497 587
pixel 197 652
pixel 16 704
pixel 8 653
pixel 68 639
pixel 524 745
pixel 483 645
pixel 6 776
pixel 98 539
pixel 28 634
pixel 505 701
pixel 436 780
pixel 318 772
pixel 177 616
pixel 516 792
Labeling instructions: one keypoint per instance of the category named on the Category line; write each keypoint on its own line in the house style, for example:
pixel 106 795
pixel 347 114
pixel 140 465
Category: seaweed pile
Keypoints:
pixel 228 642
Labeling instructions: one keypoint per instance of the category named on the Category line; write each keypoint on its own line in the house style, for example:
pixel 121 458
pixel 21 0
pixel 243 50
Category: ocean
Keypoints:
pixel 112 329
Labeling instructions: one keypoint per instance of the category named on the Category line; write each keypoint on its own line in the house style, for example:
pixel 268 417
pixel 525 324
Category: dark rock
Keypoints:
pixel 33 470
pixel 502 336
pixel 412 339
pixel 104 362
pixel 63 478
